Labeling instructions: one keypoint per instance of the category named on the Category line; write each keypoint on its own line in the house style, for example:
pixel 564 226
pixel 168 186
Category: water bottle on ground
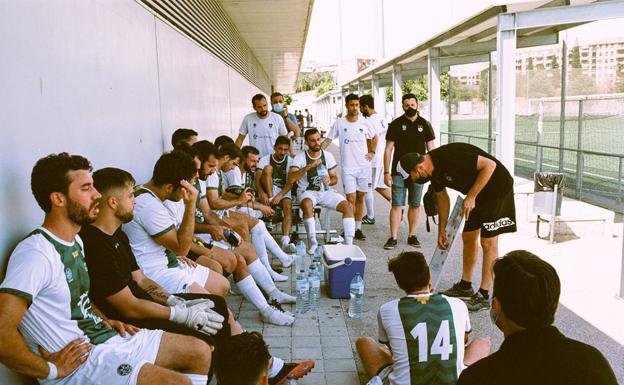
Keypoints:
pixel 317 262
pixel 356 289
pixel 301 253
pixel 315 288
pixel 303 292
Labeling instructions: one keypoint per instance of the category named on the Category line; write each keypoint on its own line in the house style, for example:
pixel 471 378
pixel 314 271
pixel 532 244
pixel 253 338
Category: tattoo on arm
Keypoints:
pixel 157 293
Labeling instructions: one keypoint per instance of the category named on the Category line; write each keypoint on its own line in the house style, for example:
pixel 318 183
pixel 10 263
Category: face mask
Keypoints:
pixel 423 180
pixel 278 107
pixel 410 112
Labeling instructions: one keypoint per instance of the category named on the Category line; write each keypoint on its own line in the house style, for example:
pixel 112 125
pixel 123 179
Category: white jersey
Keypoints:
pixel 434 347
pixel 151 219
pixel 312 179
pixel 215 181
pixel 380 127
pixel 51 275
pixel 232 178
pixel 263 132
pixel 353 146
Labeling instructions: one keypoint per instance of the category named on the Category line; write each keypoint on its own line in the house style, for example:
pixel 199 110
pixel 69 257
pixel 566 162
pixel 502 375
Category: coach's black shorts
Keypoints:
pixel 493 216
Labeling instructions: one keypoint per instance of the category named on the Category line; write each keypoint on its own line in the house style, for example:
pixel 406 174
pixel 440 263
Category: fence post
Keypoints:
pixel 579 153
pixel 449 106
pixel 564 91
pixel 619 194
pixel 540 137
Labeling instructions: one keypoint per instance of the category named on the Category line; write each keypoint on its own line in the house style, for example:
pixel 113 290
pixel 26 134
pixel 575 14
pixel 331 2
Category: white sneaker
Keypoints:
pixel 286 262
pixel 274 316
pixel 312 248
pixel 289 248
pixel 277 277
pixel 282 297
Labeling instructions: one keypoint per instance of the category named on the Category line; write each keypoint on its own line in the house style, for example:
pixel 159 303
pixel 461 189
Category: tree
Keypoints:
pixel 319 81
pixel 287 99
pixel 554 63
pixel 530 63
pixel 484 81
pixel 576 57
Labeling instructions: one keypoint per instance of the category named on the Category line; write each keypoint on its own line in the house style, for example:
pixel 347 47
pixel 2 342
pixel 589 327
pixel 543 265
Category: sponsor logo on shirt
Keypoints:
pixel 404 127
pixel 420 128
pixel 493 226
pixel 346 141
pixel 69 275
pixel 124 369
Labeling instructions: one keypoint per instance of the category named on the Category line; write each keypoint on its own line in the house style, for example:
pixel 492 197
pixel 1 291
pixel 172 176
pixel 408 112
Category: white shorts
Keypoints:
pixel 378 177
pixel 251 212
pixel 180 278
pixel 356 180
pixel 277 190
pixel 329 199
pixel 116 361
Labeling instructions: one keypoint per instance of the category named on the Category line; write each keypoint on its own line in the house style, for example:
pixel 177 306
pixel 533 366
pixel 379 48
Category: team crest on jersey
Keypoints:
pixel 449 179
pixel 420 128
pixel 404 127
pixel 124 369
pixel 270 125
pixel 69 275
pixel 75 253
pixel 254 124
pixel 361 130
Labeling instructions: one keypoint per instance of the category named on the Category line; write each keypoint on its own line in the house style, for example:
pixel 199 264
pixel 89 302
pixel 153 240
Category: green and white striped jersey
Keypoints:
pixel 51 275
pixel 426 335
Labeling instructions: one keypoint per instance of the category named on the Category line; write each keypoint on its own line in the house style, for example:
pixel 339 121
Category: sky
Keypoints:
pixel 406 24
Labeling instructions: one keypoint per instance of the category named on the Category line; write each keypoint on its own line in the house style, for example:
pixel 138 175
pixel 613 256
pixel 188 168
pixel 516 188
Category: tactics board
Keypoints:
pixel 453 227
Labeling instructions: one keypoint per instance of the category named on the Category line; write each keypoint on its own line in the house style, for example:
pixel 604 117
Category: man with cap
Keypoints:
pixel 488 207
pixel 409 132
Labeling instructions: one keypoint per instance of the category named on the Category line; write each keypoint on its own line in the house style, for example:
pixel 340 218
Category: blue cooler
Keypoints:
pixel 342 262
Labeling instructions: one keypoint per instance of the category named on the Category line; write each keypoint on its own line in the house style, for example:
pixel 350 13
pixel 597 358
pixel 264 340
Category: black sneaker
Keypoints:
pixel 458 291
pixel 368 221
pixel 413 241
pixel 390 244
pixel 478 303
pixel 359 235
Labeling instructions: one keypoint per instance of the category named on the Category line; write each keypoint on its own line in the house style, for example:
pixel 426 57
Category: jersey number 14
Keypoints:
pixel 441 343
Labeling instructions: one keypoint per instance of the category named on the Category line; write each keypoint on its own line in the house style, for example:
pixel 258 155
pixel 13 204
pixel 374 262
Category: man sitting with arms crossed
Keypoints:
pixel 422 335
pixel 524 302
pixel 121 290
pixel 154 231
pixel 274 188
pixel 251 228
pixel 315 171
pixel 50 311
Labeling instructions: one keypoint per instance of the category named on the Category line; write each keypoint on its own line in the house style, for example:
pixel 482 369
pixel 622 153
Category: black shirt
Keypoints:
pixel 110 262
pixel 408 137
pixel 541 356
pixel 455 166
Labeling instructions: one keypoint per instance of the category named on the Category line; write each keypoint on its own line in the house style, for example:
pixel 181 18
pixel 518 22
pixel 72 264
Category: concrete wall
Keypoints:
pixel 102 78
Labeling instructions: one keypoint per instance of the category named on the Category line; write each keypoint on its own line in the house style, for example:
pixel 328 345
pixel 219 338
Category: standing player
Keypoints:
pixel 407 133
pixel 488 207
pixel 422 335
pixel 358 141
pixel 367 108
pixel 274 188
pixel 262 126
pixel 315 172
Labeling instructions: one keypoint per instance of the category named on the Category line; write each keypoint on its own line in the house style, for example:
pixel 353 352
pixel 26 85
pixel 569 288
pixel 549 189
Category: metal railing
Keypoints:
pixel 590 184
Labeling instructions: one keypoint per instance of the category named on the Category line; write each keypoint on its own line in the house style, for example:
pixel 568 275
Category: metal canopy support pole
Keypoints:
pixel 434 91
pixel 490 101
pixel 397 81
pixel 622 272
pixel 343 92
pixel 564 92
pixel 360 90
pixel 580 158
pixel 506 91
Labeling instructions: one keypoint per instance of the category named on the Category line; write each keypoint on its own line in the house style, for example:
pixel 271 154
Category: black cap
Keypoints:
pixel 407 163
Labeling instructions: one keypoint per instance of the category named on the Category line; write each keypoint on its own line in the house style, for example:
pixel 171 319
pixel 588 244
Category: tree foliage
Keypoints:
pixel 420 88
pixel 319 81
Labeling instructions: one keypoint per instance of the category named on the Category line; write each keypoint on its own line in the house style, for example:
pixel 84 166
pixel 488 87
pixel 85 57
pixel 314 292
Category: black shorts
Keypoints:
pixel 493 216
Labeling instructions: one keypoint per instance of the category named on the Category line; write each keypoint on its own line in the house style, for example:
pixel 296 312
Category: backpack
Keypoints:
pixel 431 205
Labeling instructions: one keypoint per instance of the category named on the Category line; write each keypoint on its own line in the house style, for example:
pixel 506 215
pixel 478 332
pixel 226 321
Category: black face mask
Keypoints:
pixel 410 112
pixel 423 180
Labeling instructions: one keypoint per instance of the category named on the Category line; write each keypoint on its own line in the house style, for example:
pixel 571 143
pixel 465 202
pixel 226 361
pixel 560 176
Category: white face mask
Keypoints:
pixel 278 107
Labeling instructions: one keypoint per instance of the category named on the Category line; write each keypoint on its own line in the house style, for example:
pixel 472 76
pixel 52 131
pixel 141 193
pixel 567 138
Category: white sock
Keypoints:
pixel 252 293
pixel 358 225
pixel 349 229
pixel 261 276
pixel 310 227
pixel 257 239
pixel 197 379
pixel 270 243
pixel 278 364
pixel 285 240
pixel 370 204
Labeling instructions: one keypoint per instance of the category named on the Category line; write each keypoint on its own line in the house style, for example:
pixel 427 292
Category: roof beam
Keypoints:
pixel 490 46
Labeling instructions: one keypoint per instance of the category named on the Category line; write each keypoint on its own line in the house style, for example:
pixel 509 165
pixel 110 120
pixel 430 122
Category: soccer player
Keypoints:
pixel 48 326
pixel 357 148
pixel 262 126
pixel 274 188
pixel 488 207
pixel 183 135
pixel 315 172
pixel 409 132
pixel 367 108
pixel 421 335
pixel 524 302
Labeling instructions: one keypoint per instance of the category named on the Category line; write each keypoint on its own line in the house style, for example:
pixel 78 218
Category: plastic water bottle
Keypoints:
pixel 356 289
pixel 315 288
pixel 303 290
pixel 322 171
pixel 316 261
pixel 301 253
